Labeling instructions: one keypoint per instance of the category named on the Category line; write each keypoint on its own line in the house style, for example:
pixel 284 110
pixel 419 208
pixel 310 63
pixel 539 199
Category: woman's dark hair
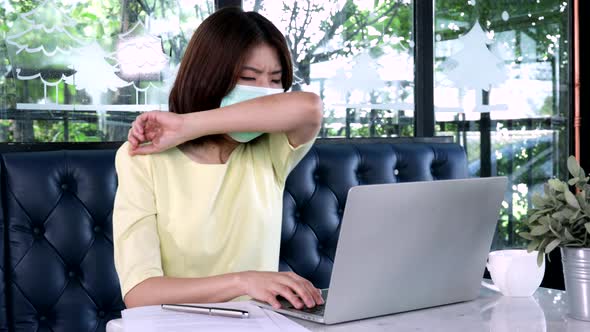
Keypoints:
pixel 215 54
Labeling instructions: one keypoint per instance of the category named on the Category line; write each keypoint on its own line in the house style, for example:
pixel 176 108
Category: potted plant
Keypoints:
pixel 560 218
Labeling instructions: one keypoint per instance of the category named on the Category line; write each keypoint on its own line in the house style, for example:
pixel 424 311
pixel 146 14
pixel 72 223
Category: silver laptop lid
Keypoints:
pixel 409 246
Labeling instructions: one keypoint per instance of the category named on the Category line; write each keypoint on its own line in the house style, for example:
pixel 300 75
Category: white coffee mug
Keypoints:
pixel 514 272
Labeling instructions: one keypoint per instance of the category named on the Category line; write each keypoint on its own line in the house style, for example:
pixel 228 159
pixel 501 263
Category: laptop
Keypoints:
pixel 408 246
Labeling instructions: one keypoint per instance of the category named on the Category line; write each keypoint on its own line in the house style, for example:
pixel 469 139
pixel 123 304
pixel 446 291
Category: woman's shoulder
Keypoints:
pixel 123 158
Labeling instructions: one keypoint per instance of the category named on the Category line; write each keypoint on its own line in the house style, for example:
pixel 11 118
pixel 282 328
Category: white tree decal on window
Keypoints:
pixel 44 44
pixel 363 84
pixel 40 44
pixel 93 73
pixel 141 59
pixel 476 67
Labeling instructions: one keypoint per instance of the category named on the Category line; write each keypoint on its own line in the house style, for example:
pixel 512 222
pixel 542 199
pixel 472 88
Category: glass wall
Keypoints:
pixel 81 70
pixel 502 90
pixel 357 55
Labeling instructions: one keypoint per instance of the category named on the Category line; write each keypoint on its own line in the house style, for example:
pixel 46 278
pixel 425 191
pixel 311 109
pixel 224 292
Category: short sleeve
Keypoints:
pixel 284 156
pixel 135 232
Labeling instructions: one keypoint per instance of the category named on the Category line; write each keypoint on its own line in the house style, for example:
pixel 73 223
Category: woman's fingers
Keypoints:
pixel 287 293
pixel 151 135
pixel 298 286
pixel 145 149
pixel 142 119
pixel 295 289
pixel 145 128
pixel 138 125
pixel 130 134
pixel 314 293
pixel 271 299
pixel 138 133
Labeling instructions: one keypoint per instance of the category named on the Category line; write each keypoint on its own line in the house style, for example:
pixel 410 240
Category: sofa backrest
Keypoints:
pixel 316 191
pixel 57 209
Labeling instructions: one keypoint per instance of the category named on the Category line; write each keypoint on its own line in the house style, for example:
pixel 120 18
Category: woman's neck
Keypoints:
pixel 210 152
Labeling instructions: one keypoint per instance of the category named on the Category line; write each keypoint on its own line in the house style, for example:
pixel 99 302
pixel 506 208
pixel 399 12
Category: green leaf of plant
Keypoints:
pixel 581 196
pixel 533 246
pixel 573 181
pixel 556 225
pixel 540 258
pixel 546 189
pixel 559 216
pixel 552 245
pixel 567 213
pixel 539 230
pixel 533 218
pixel 568 235
pixel 587 226
pixel 577 214
pixel 556 185
pixel 582 174
pixel 571 199
pixel 526 235
pixel 544 243
pixel 573 166
pixel 538 201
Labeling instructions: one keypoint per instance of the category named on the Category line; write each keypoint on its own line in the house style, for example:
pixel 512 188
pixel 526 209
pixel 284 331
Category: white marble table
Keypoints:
pixel 546 310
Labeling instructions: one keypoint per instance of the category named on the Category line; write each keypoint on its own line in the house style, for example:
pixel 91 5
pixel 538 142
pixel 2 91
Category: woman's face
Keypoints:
pixel 262 68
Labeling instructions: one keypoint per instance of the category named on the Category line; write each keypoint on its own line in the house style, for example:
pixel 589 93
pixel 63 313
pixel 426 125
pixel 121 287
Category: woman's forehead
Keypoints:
pixel 264 58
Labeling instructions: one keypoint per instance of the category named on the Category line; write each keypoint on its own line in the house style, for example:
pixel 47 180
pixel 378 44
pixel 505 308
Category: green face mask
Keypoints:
pixel 242 93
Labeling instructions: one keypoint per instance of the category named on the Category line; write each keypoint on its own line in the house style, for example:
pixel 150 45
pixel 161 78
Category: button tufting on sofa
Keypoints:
pixel 38 231
pixel 57 265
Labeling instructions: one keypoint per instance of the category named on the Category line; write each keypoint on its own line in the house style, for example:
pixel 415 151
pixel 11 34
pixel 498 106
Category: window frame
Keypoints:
pixel 583 38
pixel 424 120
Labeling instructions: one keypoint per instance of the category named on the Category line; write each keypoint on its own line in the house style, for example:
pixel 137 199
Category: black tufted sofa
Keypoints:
pixel 57 271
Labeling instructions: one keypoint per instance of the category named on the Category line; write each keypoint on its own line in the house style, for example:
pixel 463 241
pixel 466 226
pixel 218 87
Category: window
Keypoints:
pixel 357 55
pixel 70 71
pixel 80 70
pixel 502 89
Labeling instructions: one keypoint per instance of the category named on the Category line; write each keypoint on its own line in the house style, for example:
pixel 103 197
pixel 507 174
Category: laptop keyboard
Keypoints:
pixel 317 310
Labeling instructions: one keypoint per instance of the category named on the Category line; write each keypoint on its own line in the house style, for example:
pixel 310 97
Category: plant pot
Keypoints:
pixel 576 271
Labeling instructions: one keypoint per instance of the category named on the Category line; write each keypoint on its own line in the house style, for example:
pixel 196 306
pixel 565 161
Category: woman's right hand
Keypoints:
pixel 163 130
pixel 266 286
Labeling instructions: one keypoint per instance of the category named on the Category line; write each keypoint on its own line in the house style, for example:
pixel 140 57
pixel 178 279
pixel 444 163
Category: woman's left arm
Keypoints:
pixel 298 114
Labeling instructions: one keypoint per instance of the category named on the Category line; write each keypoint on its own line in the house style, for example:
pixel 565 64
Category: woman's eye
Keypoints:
pixel 276 81
pixel 248 78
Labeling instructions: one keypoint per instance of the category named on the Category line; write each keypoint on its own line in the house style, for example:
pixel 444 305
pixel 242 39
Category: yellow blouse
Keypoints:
pixel 176 217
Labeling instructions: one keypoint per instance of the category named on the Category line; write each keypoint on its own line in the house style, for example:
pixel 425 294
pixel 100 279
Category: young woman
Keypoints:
pixel 198 209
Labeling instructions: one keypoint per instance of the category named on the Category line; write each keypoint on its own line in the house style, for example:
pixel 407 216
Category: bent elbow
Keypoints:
pixel 131 301
pixel 315 109
pixel 140 295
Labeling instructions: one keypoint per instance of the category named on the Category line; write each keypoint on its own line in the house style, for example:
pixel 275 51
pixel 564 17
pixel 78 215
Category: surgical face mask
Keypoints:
pixel 242 93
